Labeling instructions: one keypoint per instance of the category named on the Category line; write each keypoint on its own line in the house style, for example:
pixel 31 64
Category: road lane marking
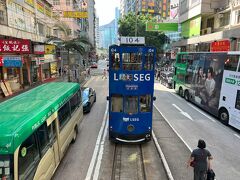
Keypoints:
pixel 195 108
pixel 201 112
pixel 172 128
pixel 237 136
pixel 97 146
pixel 100 155
pixel 169 174
pixel 183 112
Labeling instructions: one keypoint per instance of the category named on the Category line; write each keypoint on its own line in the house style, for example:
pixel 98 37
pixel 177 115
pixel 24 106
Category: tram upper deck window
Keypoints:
pixel 148 61
pixel 115 61
pixel 117 103
pixel 145 103
pixel 131 105
pixel 231 62
pixel 132 61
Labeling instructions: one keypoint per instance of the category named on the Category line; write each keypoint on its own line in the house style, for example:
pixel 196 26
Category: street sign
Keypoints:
pixel 75 14
pixel 132 40
pixel 150 26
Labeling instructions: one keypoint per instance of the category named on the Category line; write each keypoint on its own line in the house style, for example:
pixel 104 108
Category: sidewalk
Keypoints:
pixel 82 81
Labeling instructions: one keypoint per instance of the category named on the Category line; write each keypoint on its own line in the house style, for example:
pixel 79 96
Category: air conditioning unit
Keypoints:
pixel 220 15
pixel 206 31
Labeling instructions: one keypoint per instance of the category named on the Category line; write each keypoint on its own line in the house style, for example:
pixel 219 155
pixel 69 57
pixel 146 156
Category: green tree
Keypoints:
pixel 132 22
pixel 80 44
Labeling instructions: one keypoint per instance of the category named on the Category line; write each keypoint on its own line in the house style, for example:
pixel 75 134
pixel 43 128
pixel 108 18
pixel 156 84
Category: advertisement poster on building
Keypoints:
pixel 174 9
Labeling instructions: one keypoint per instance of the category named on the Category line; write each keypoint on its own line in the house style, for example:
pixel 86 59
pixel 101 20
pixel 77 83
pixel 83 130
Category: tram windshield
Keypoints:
pixel 145 103
pixel 131 105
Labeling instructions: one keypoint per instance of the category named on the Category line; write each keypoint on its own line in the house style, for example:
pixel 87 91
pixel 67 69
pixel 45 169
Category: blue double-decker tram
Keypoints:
pixel 131 87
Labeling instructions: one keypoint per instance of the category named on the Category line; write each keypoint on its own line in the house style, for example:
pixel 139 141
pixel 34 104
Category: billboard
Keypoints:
pixel 15 46
pixel 191 27
pixel 174 9
pixel 151 26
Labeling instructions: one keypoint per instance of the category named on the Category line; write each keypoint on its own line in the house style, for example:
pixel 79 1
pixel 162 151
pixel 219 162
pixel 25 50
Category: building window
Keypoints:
pixel 68 2
pixel 40 28
pixel 56 2
pixel 224 19
pixel 1 16
pixel 238 17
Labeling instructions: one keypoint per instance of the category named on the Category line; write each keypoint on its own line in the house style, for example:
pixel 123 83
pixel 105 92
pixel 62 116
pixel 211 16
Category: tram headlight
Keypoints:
pixel 130 128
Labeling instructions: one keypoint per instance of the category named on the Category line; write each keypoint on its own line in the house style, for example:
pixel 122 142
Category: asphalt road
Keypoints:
pixel 177 130
pixel 192 124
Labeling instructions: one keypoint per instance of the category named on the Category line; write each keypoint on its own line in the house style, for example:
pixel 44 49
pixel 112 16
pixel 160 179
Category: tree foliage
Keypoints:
pixel 127 27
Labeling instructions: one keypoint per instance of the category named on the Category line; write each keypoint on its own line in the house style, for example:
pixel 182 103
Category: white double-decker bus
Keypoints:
pixel 212 81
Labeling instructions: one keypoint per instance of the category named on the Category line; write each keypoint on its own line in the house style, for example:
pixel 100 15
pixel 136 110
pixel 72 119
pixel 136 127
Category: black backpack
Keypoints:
pixel 210 174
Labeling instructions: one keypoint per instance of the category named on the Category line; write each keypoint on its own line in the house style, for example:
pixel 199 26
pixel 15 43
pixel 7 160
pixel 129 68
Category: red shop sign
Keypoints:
pixel 21 46
pixel 223 45
pixel 1 61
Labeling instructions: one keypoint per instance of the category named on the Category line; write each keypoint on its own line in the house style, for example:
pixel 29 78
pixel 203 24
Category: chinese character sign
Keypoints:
pixel 15 46
pixel 219 46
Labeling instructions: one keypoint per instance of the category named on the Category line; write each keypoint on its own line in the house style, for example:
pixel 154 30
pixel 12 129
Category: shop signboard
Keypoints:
pixel 40 7
pixel 1 61
pixel 50 49
pixel 21 46
pixel 12 61
pixel 218 46
pixel 39 49
pixel 191 27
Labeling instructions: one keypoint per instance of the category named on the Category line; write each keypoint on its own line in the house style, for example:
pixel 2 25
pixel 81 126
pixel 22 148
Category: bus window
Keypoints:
pixel 132 61
pixel 52 131
pixel 117 103
pixel 6 167
pixel 64 114
pixel 237 105
pixel 148 61
pixel 131 105
pixel 27 157
pixel 74 102
pixel 43 138
pixel 115 61
pixel 145 103
pixel 231 63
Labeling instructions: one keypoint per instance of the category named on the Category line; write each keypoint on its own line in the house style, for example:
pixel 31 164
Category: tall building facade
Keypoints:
pixel 159 8
pixel 107 35
pixel 205 22
pixel 97 36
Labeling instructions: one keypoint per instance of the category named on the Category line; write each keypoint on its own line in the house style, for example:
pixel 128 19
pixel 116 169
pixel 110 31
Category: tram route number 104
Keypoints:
pixel 132 40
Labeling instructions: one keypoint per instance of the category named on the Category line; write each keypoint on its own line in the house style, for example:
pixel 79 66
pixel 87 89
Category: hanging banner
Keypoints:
pixel 40 7
pixel 75 14
pixel 15 46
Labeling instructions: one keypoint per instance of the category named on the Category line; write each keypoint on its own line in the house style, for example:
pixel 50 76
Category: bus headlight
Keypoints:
pixel 130 128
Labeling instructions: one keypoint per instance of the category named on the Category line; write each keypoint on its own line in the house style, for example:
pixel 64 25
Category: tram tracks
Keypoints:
pixel 128 162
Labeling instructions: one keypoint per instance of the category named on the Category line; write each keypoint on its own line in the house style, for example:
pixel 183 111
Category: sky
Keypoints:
pixel 106 10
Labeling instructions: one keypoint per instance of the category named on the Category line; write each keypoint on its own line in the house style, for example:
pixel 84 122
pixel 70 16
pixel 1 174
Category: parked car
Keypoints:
pixel 167 78
pixel 88 98
pixel 94 65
